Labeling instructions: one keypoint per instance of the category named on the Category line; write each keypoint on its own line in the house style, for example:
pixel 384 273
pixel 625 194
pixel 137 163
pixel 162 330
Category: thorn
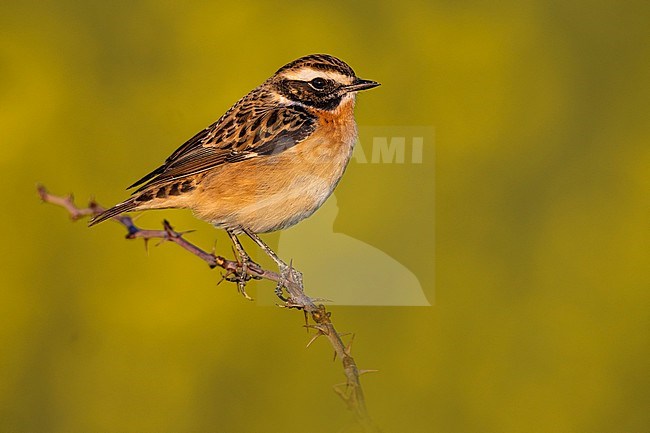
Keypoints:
pixel 348 348
pixel 316 327
pixel 291 304
pixel 169 229
pixel 361 372
pixel 340 393
pixel 314 338
pixel 291 271
pixel 345 395
pixel 146 245
pixel 334 359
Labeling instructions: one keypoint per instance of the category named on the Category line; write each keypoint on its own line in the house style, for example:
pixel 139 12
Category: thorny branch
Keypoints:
pixel 350 391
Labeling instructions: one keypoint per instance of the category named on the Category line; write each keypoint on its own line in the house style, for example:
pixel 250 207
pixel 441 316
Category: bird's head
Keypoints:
pixel 319 81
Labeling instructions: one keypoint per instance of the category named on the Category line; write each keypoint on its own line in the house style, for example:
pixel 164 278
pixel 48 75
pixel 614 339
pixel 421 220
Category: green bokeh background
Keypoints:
pixel 540 275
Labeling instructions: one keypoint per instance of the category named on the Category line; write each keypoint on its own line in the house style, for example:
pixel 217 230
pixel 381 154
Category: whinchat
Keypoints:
pixel 269 162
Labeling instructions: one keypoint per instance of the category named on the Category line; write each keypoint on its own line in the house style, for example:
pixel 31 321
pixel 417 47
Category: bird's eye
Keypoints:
pixel 317 83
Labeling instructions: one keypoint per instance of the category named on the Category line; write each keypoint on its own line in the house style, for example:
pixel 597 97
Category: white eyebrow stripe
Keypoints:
pixel 308 74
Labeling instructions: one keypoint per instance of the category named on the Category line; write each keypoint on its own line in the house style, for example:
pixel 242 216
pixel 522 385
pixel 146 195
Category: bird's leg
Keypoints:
pixel 246 263
pixel 266 248
pixel 287 272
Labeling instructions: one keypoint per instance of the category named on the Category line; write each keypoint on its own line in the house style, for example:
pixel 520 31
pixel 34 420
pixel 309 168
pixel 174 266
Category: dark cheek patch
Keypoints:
pixel 328 104
pixel 326 99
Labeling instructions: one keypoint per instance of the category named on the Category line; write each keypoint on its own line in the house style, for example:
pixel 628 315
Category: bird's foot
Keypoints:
pixel 241 274
pixel 288 274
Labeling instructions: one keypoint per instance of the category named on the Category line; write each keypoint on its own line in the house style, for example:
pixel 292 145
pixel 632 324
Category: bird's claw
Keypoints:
pixel 241 275
pixel 287 274
pixel 279 291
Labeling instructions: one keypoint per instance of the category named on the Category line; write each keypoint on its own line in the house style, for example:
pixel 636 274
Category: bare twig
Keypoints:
pixel 350 391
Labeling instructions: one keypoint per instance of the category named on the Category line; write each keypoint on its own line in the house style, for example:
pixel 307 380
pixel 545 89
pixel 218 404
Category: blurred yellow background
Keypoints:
pixel 538 271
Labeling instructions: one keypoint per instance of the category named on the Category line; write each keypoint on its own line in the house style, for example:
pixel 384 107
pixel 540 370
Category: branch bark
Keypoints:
pixel 351 391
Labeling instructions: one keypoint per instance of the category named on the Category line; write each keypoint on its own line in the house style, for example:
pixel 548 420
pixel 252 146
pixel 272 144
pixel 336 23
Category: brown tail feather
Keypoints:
pixel 116 210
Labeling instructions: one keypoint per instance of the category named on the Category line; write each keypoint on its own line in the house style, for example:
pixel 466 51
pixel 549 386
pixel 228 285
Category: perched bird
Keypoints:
pixel 269 162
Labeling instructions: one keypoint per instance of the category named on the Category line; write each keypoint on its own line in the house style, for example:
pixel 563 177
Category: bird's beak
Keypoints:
pixel 361 84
